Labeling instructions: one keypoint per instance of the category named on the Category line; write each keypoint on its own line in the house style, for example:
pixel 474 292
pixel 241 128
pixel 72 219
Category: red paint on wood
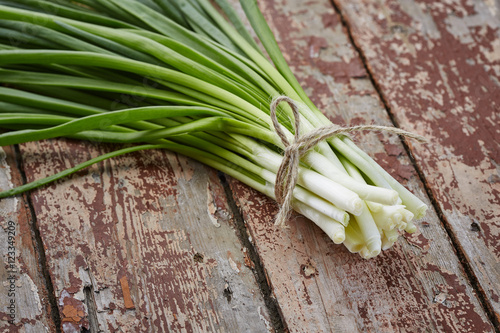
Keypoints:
pixel 451 294
pixel 123 227
pixel 127 299
pixel 73 312
pixel 437 65
pixel 393 292
pixel 33 310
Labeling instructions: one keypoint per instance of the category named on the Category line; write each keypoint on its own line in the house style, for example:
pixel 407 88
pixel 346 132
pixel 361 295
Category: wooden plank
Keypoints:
pixel 24 305
pixel 438 68
pixel 144 242
pixel 419 285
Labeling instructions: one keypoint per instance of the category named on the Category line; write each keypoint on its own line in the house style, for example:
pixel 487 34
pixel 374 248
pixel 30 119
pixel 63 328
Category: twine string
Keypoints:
pixel 288 172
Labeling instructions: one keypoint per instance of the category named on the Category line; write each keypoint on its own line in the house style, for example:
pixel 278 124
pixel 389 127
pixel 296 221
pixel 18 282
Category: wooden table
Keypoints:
pixel 154 241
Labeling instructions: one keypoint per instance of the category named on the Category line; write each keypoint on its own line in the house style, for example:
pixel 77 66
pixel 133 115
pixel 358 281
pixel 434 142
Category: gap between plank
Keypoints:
pixel 461 255
pixel 271 303
pixel 88 292
pixel 35 235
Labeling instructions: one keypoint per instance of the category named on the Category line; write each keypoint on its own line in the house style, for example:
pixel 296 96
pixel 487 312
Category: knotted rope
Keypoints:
pixel 287 175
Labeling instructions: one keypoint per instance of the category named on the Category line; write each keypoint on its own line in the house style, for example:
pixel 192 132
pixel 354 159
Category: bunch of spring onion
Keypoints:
pixel 186 75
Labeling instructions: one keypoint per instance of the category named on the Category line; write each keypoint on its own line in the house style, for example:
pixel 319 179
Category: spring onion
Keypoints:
pixel 188 77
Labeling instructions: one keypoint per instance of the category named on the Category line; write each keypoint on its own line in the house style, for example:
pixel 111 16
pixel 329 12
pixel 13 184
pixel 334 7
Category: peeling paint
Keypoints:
pixel 73 312
pixel 127 298
pixel 394 292
pixel 31 313
pixel 132 235
pixel 130 223
pixel 235 266
pixel 212 208
pixel 456 106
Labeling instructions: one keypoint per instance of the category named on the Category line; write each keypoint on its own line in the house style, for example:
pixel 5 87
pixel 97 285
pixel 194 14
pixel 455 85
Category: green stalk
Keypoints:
pixel 106 61
pixel 77 13
pixel 57 80
pixel 32 119
pixel 172 12
pixel 266 36
pixel 412 203
pixel 108 46
pixel 204 24
pixel 39 183
pixel 104 120
pixel 233 16
pixel 17 39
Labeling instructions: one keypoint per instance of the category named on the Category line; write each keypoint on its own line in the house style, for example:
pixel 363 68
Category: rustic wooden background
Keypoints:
pixel 154 241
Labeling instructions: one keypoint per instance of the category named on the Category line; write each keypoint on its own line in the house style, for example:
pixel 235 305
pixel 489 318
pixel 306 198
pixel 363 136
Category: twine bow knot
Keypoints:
pixel 288 172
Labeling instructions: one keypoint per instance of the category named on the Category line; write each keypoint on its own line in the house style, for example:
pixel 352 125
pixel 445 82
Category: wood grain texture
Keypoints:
pixel 419 285
pixel 146 242
pixel 141 243
pixel 438 67
pixel 22 293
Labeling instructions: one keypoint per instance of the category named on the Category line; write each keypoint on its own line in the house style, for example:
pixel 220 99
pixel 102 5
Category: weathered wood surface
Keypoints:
pixel 419 285
pixel 141 243
pixel 147 242
pixel 438 67
pixel 24 305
